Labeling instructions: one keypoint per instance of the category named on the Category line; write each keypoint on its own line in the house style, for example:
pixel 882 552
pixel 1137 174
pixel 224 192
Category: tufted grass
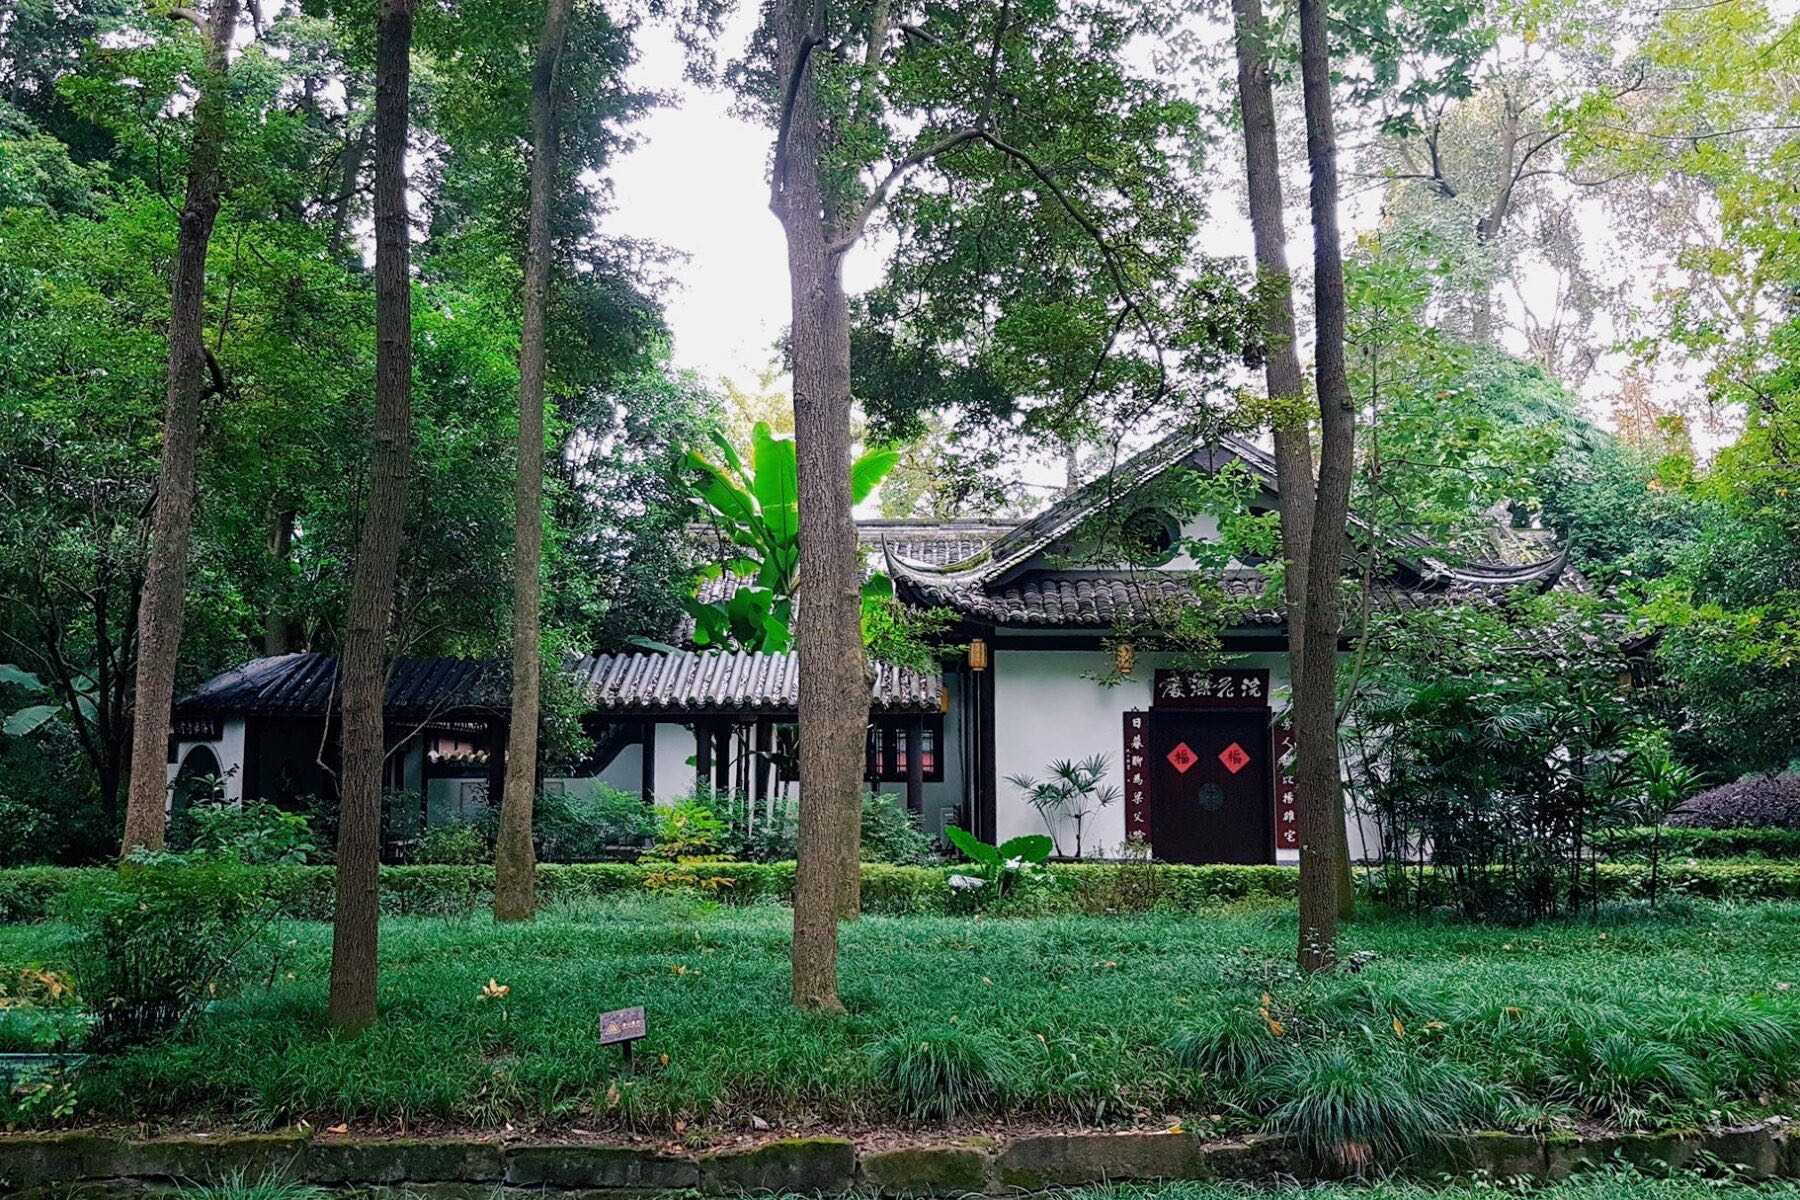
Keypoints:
pixel 1628 1019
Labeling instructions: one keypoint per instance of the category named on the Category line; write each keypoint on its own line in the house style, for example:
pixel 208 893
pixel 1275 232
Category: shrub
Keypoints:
pixel 160 937
pixel 948 1075
pixel 1754 802
pixel 457 844
pixel 577 828
pixel 254 832
pixel 688 855
pixel 1357 1105
pixel 890 834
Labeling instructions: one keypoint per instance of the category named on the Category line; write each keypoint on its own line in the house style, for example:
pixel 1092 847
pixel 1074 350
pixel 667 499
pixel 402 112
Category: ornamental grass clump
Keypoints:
pixel 1626 1075
pixel 943 1076
pixel 1229 1045
pixel 1365 1105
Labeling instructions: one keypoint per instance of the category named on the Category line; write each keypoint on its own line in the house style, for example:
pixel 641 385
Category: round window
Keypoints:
pixel 1149 537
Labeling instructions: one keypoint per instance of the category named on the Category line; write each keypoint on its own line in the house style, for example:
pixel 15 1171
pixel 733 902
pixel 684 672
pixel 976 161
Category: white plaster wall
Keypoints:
pixel 1045 710
pixel 1047 706
pixel 228 748
pixel 674 766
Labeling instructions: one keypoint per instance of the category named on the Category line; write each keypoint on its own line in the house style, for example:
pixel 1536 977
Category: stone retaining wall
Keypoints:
pixel 75 1164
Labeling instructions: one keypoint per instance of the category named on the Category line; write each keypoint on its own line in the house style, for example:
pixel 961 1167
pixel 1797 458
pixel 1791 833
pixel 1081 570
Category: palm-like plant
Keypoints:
pixel 756 506
pixel 1072 792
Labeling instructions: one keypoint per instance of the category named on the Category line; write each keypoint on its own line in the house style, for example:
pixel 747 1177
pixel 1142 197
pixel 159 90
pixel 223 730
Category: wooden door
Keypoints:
pixel 1209 786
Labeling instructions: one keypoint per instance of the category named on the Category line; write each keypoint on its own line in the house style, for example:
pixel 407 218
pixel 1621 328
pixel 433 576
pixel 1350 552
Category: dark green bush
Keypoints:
pixel 158 938
pixel 254 832
pixel 592 828
pixel 1678 843
pixel 456 844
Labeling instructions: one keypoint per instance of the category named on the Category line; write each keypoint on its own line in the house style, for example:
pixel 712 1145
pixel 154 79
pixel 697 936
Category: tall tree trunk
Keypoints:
pixel 355 923
pixel 277 630
pixel 1315 711
pixel 515 863
pixel 1281 368
pixel 834 693
pixel 165 582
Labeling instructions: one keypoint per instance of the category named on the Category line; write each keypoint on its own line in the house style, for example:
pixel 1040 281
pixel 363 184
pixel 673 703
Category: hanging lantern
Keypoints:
pixel 978 655
pixel 1124 657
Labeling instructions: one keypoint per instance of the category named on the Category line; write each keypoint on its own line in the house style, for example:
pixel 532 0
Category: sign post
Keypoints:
pixel 623 1026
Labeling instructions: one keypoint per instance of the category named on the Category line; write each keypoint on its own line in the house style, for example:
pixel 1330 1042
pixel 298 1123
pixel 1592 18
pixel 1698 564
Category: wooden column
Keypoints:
pixel 915 765
pixel 722 756
pixel 987 796
pixel 703 754
pixel 496 764
pixel 424 781
pixel 765 741
pixel 647 777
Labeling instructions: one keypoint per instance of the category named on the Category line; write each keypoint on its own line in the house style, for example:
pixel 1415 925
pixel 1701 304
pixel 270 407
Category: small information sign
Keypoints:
pixel 622 1025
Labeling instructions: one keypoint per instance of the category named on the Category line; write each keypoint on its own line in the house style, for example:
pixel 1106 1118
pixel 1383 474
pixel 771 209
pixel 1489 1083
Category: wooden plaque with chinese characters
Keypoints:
pixel 1137 775
pixel 1287 820
pixel 1227 687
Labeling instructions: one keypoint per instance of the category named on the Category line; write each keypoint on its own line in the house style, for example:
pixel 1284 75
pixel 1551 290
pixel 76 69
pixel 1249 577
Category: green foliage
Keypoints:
pixel 163 936
pixel 1358 1104
pixel 240 1186
pixel 755 508
pixel 1502 740
pixel 254 832
pixel 1002 869
pixel 891 834
pixel 1072 791
pixel 688 830
pixel 455 844
pixel 942 1076
pixel 574 828
pixel 1233 1045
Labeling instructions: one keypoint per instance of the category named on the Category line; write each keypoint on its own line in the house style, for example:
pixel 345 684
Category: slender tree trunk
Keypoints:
pixel 277 629
pixel 834 694
pixel 1275 296
pixel 1315 713
pixel 515 862
pixel 355 923
pixel 165 582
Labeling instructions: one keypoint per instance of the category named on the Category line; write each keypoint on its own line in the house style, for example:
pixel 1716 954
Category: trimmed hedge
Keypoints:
pixel 305 893
pixel 1706 843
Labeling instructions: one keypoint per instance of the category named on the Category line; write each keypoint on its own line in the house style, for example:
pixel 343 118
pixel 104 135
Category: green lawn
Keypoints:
pixel 1676 1019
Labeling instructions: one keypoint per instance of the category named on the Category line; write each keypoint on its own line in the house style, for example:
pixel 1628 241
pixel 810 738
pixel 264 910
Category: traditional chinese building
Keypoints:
pixel 1054 660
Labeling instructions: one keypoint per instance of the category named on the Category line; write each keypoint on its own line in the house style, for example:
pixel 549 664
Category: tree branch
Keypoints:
pixel 854 230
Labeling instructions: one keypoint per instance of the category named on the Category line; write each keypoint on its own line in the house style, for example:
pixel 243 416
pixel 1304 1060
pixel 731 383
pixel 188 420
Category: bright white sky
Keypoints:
pixel 696 185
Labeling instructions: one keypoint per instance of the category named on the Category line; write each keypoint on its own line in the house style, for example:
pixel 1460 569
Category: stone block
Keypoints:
pixel 808 1166
pixel 404 1160
pixel 582 1166
pixel 1068 1160
pixel 941 1170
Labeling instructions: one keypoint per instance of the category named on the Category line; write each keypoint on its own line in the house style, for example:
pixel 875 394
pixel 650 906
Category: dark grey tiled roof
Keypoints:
pixel 730 681
pixel 1102 599
pixel 306 685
